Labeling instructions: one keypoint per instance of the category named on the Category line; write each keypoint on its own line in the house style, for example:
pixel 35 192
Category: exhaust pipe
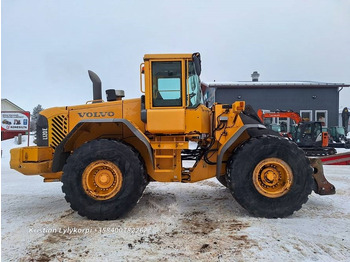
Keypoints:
pixel 96 86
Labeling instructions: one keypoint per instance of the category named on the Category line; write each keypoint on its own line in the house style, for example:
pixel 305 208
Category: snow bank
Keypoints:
pixel 172 222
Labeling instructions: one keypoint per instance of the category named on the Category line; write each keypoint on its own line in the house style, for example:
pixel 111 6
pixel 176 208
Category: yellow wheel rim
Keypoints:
pixel 272 177
pixel 102 180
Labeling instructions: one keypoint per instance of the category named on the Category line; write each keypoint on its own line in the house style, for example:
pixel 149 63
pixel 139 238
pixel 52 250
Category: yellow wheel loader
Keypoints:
pixel 106 152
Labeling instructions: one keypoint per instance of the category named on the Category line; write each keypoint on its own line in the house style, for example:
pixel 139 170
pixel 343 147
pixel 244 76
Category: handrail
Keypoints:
pixel 188 85
pixel 95 101
pixel 142 66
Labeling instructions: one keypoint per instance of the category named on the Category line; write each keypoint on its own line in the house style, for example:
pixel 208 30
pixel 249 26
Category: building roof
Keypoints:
pixel 274 84
pixel 6 101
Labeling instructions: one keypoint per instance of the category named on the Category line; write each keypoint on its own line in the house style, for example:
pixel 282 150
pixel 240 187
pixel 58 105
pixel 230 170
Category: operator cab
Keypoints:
pixel 309 134
pixel 172 88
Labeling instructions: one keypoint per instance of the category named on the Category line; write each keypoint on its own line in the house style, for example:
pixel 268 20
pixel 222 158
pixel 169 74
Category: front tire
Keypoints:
pixel 270 176
pixel 103 179
pixel 222 180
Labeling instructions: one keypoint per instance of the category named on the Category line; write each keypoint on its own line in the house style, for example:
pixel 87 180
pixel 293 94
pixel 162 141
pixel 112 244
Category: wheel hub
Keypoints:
pixel 102 180
pixel 272 177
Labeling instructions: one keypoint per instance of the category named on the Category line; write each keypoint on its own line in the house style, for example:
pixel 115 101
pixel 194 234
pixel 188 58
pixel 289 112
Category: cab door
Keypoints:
pixel 166 101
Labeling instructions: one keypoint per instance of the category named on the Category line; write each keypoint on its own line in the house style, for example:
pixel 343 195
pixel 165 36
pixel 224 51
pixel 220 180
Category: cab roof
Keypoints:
pixel 167 56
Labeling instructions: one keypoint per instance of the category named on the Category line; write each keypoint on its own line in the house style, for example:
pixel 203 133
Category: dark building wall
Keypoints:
pixel 287 98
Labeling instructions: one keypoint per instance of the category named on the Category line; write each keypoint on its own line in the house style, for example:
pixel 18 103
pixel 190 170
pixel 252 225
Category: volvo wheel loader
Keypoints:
pixel 106 152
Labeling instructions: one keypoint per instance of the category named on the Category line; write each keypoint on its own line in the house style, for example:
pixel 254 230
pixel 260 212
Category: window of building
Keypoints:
pixel 322 116
pixel 287 124
pixel 306 115
pixel 284 124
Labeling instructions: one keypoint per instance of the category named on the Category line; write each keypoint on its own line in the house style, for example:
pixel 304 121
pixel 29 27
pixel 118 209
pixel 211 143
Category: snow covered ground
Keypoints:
pixel 172 222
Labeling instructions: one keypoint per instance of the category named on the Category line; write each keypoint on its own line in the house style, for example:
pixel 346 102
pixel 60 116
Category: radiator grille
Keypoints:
pixel 58 130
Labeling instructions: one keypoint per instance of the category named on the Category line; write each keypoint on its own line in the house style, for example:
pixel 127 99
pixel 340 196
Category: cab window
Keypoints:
pixel 194 87
pixel 166 84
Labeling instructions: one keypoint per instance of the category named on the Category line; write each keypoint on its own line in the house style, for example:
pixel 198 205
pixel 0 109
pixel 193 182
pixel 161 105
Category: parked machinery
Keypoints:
pixel 338 137
pixel 105 153
pixel 308 135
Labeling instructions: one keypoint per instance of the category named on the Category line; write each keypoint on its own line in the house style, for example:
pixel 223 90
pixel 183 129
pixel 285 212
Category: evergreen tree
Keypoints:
pixel 35 116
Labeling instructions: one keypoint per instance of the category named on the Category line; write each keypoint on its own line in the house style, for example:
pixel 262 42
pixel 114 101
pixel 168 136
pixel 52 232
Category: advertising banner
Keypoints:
pixel 12 121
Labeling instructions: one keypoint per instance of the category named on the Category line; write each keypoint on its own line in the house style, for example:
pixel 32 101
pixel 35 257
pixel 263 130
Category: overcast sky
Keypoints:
pixel 48 45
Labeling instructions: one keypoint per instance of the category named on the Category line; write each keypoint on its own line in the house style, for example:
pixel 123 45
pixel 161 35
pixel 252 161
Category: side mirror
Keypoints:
pixel 196 57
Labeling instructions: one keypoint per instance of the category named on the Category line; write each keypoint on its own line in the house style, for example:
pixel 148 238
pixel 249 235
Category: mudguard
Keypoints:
pixel 61 154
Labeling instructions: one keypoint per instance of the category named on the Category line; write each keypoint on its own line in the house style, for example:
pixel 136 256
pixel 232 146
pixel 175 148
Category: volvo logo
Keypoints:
pixel 95 114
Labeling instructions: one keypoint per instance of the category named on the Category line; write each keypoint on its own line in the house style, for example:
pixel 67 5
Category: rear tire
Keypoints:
pixel 103 179
pixel 270 176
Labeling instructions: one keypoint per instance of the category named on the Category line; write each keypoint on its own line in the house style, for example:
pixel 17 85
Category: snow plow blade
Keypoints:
pixel 322 186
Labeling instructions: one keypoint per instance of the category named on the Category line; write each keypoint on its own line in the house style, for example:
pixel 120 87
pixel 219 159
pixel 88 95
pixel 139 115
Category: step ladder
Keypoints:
pixel 167 152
